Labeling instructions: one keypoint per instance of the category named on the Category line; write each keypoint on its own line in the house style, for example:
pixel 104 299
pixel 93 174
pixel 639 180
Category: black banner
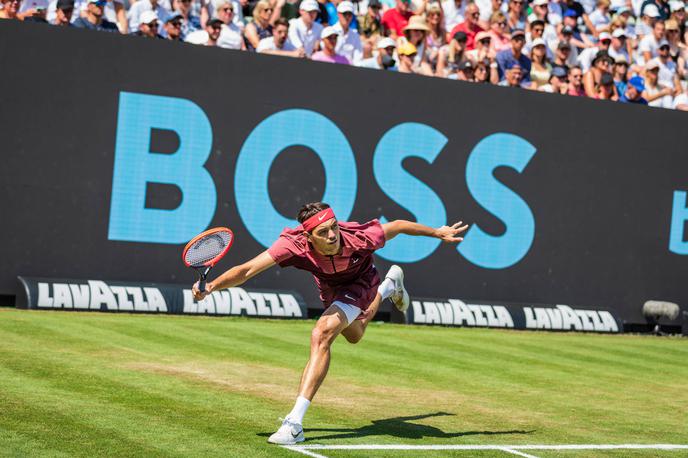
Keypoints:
pixel 113 296
pixel 117 150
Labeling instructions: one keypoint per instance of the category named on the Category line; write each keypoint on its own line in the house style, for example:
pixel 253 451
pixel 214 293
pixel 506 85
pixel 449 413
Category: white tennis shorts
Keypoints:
pixel 349 310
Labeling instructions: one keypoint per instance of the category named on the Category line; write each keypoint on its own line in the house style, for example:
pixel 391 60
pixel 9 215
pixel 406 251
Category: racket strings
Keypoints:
pixel 207 248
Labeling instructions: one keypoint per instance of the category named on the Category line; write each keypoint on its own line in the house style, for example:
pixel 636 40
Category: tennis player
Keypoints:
pixel 340 256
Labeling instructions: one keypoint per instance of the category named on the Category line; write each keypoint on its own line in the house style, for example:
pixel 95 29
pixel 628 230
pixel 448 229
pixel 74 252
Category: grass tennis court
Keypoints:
pixel 87 384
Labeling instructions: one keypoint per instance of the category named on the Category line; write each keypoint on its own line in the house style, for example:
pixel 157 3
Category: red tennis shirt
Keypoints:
pixel 349 277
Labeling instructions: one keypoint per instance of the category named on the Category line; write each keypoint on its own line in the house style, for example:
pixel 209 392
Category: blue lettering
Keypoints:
pixel 268 139
pixel 402 141
pixel 135 166
pixel 480 248
pixel 679 216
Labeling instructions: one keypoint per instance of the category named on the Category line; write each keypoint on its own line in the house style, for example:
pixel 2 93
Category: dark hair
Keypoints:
pixel 281 21
pixel 310 209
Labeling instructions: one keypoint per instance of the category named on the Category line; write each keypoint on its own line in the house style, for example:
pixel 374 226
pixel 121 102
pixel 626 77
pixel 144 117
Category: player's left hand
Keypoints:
pixel 450 234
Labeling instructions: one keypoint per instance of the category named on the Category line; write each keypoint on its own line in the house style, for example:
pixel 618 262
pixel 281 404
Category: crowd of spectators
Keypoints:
pixel 632 51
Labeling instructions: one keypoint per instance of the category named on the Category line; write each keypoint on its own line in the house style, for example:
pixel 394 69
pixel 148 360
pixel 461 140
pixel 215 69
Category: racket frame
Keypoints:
pixel 204 269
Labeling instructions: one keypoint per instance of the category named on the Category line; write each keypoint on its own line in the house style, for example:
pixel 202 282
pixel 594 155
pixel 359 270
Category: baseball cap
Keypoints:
pixel 64 4
pixel 374 4
pixel 213 22
pixel 540 2
pixel 148 16
pixel 537 21
pixel 517 32
pixel 638 83
pixel 567 30
pixel 173 16
pixel 465 65
pixel 663 42
pixel 602 55
pixel 621 59
pixel 671 24
pixel 570 13
pixel 623 9
pixel 675 6
pixel 309 5
pixel 345 7
pixel 605 36
pixel 652 64
pixel 460 36
pixel 406 49
pixel 482 35
pixel 651 11
pixel 100 2
pixel 559 72
pixel 538 42
pixel 328 31
pixel 386 42
pixel 618 33
pixel 512 65
pixel 564 45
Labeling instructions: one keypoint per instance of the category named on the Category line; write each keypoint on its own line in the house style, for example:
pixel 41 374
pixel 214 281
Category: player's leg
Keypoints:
pixel 326 330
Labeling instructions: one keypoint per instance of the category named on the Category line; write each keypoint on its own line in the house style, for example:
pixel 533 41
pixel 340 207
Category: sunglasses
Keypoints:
pixel 227 10
pixel 153 25
pixel 175 23
pixel 485 41
pixel 475 15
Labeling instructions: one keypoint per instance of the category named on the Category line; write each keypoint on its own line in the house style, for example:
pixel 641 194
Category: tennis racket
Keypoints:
pixel 205 250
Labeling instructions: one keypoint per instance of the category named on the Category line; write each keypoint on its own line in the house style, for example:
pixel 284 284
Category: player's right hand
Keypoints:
pixel 197 294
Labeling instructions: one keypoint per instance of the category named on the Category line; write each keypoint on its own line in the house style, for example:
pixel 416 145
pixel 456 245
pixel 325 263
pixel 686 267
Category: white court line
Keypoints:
pixel 493 447
pixel 300 449
pixel 514 452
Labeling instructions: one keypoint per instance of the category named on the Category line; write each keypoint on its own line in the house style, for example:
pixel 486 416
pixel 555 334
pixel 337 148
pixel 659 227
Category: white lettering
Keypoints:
pixel 156 302
pixel 44 298
pixel 418 314
pixel 223 303
pixel 190 305
pixel 569 318
pixel 241 301
pixel 461 313
pixel 124 304
pixel 478 315
pixel 291 306
pixel 81 294
pixel 490 315
pixel 530 318
pixel 431 313
pixel 261 308
pixel 609 323
pixel 554 316
pixel 504 318
pixel 101 295
pixel 541 318
pixel 275 306
pixel 63 298
pixel 446 315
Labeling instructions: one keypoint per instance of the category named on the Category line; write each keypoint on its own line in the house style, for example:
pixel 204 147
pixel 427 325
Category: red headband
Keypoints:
pixel 317 219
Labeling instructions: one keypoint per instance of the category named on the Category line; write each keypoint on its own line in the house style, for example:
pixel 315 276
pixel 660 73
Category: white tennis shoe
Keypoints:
pixel 399 297
pixel 288 434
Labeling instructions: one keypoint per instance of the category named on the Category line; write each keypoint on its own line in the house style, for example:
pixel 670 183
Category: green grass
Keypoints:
pixel 91 384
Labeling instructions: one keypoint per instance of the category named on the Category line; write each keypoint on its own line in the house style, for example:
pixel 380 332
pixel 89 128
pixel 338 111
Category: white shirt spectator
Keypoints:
pixel 681 99
pixel 230 37
pixel 109 12
pixel 666 101
pixel 238 17
pixel 599 19
pixel 302 36
pixel 485 7
pixel 586 57
pixel 588 5
pixel 667 71
pixel 268 44
pixel 647 44
pixel 139 7
pixel 348 44
pixel 29 4
pixel 614 54
pixel 454 15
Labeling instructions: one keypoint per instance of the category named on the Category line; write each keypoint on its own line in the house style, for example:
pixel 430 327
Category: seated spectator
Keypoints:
pixel 662 7
pixel 606 90
pixel 395 19
pixel 304 32
pixel 173 27
pixel 454 12
pixel 506 58
pixel 618 47
pixel 486 72
pixel 94 18
pixel 348 41
pixel 416 32
pixel 407 53
pixel 370 24
pixel 190 23
pixel 384 60
pixel 540 25
pixel 140 6
pixel 231 35
pixel 207 37
pixel 668 71
pixel 588 54
pixel 329 37
pixel 676 47
pixel 32 10
pixel 63 13
pixel 656 94
pixel 562 54
pixel 513 75
pixel 578 39
pixel 537 30
pixel 500 39
pixel 465 72
pixel 451 55
pixel 148 25
pixel 576 88
pixel 648 18
pixel 634 91
pixel 600 19
pixel 515 16
pixel 10 9
pixel 437 36
pixel 470 25
pixel 260 28
pixel 601 65
pixel 278 43
pixel 648 48
pixel 541 69
pixel 679 16
pixel 558 82
pixel 620 74
pixel 566 36
pixel 681 101
pixel 483 49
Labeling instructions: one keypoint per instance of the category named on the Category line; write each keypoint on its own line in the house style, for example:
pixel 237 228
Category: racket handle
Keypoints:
pixel 201 285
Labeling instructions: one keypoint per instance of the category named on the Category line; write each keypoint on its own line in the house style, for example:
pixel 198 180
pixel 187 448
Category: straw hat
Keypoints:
pixel 417 23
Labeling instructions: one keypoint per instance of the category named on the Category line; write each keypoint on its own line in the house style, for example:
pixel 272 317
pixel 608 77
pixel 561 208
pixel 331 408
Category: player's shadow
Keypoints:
pixel 402 427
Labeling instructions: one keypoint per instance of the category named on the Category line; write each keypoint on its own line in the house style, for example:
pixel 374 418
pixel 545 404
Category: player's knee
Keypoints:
pixel 353 339
pixel 321 337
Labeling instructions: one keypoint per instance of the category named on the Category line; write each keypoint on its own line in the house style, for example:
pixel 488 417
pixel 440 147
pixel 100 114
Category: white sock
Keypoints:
pixel 299 410
pixel 386 288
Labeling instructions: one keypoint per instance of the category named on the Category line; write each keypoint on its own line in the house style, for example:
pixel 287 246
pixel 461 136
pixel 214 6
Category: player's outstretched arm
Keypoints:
pixel 236 275
pixel 449 234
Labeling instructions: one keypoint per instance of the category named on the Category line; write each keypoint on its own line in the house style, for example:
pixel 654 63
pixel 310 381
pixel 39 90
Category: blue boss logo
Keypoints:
pixel 135 166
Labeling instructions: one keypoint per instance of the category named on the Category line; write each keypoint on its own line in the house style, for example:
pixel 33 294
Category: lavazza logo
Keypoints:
pixel 455 312
pixel 99 295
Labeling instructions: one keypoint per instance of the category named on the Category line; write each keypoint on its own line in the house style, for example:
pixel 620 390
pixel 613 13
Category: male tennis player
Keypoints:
pixel 340 257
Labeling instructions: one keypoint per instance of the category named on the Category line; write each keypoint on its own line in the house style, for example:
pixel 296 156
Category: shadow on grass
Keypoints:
pixel 401 427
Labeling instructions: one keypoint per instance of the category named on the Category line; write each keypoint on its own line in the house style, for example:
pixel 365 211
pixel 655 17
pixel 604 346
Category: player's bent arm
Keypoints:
pixel 445 233
pixel 241 273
